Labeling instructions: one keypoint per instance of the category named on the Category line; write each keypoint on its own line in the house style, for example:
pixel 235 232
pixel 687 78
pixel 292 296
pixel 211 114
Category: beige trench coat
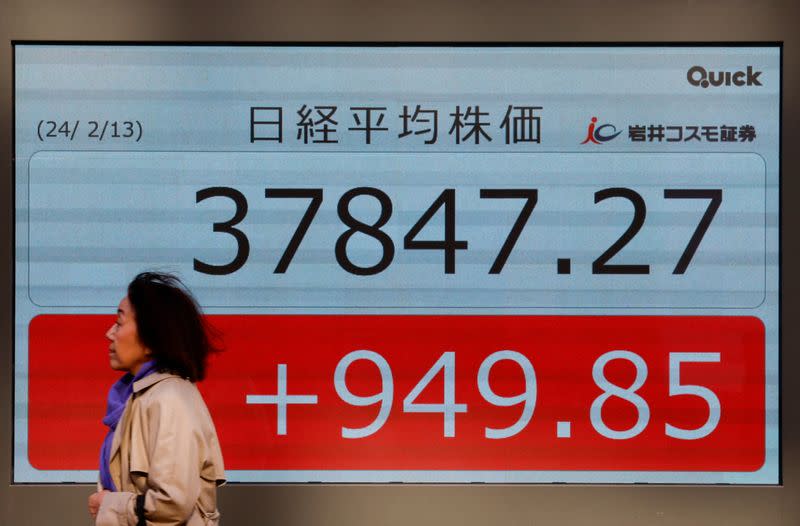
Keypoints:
pixel 165 447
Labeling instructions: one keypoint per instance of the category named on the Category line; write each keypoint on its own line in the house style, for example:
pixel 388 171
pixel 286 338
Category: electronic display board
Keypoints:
pixel 520 264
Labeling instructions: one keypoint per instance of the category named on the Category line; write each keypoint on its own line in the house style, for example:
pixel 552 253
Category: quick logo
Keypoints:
pixel 699 76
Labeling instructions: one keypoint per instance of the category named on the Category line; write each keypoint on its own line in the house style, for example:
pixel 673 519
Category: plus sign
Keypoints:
pixel 282 399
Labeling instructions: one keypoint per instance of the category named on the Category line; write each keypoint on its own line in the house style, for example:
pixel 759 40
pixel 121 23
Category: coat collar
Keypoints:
pixel 138 386
pixel 150 380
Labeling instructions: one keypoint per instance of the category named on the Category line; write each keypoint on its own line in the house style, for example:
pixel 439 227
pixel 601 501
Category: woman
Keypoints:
pixel 161 460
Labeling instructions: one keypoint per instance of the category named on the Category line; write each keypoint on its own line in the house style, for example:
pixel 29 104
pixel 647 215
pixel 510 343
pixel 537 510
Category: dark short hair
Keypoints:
pixel 170 323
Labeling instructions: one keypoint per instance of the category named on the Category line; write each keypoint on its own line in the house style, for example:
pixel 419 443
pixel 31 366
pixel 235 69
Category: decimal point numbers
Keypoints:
pixel 447 242
pixel 450 407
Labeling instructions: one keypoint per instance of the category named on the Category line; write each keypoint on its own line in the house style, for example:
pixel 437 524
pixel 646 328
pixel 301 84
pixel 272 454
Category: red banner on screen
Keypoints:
pixel 669 393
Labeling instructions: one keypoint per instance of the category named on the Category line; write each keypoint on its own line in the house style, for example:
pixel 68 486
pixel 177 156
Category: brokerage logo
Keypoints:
pixel 699 76
pixel 600 134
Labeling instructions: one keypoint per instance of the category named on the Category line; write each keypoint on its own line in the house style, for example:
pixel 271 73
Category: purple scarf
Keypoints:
pixel 117 398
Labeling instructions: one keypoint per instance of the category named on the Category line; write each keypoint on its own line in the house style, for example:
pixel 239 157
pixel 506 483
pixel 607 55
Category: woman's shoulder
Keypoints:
pixel 165 388
pixel 175 401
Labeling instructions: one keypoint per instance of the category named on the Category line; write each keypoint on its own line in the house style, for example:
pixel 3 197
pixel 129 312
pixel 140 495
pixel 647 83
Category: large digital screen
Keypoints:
pixel 450 264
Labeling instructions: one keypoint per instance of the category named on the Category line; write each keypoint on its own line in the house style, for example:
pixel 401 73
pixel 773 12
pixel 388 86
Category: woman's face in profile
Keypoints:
pixel 126 352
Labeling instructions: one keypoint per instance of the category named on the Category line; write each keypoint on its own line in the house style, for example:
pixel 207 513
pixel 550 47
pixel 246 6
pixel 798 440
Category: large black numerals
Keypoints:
pixel 315 194
pixel 600 265
pixel 530 195
pixel 373 230
pixel 227 227
pixel 446 199
pixel 715 199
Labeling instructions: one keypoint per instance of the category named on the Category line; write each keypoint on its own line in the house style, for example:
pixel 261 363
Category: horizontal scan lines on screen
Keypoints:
pixel 660 226
pixel 413 300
